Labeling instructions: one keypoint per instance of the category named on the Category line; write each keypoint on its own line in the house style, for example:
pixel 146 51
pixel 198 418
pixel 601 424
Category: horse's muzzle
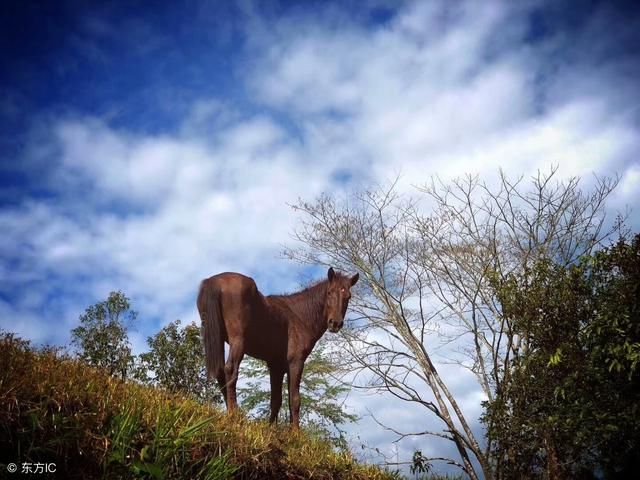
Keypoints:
pixel 334 327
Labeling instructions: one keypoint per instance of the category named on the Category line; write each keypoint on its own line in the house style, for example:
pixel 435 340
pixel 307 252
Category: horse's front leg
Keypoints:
pixel 295 375
pixel 276 375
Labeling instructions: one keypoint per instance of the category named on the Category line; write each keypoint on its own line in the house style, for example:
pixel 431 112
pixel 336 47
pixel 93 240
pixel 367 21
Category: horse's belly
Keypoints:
pixel 270 346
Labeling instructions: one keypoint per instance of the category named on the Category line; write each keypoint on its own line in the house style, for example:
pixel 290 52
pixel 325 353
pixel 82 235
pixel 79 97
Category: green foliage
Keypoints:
pixel 570 404
pixel 92 425
pixel 321 409
pixel 101 340
pixel 614 333
pixel 171 441
pixel 176 362
pixel 420 463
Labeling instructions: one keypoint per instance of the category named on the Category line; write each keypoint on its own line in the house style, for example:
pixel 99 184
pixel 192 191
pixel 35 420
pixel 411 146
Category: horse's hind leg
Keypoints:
pixel 236 352
pixel 222 383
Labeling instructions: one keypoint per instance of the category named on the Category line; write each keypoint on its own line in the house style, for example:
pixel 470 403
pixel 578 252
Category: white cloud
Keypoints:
pixel 432 93
pixel 206 207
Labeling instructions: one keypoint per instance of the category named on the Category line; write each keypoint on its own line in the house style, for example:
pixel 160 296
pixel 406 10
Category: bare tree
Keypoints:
pixel 429 278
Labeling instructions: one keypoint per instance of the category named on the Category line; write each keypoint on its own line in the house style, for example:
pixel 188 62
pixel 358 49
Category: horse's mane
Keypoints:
pixel 307 303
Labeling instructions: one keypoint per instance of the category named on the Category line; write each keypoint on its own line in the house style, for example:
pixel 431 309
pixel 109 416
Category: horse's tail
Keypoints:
pixel 211 317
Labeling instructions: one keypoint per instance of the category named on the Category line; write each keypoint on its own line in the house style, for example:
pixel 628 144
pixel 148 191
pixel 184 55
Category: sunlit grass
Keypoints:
pixel 57 409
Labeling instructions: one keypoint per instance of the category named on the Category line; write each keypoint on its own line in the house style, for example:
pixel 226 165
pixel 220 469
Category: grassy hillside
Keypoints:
pixel 56 409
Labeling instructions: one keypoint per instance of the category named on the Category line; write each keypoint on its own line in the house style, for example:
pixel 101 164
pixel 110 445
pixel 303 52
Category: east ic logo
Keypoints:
pixel 32 468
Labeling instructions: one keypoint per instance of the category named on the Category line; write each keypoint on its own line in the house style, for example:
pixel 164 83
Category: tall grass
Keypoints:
pixel 57 409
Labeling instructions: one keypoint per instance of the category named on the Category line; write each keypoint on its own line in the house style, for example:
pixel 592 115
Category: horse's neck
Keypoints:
pixel 308 307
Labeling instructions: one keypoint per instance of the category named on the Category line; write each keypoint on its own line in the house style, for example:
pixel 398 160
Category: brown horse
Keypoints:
pixel 279 329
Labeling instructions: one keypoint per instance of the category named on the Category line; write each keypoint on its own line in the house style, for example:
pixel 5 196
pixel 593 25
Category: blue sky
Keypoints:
pixel 147 145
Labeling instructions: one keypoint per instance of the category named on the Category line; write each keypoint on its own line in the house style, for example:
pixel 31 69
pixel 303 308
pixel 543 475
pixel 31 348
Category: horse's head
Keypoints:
pixel 338 295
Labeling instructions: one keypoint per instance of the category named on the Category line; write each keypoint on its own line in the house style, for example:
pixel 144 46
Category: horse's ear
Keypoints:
pixel 354 279
pixel 331 274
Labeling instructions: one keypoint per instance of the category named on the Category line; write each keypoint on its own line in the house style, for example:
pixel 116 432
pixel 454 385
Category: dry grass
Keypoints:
pixel 56 409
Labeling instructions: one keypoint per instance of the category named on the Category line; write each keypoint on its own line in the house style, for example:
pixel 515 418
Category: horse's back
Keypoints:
pixel 240 301
pixel 232 283
pixel 246 315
